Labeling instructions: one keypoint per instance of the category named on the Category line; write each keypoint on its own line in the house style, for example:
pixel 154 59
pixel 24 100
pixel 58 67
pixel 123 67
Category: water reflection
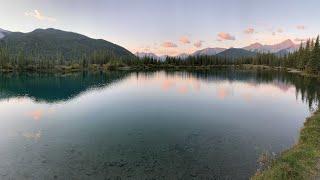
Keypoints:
pixel 142 125
pixel 32 135
pixel 53 88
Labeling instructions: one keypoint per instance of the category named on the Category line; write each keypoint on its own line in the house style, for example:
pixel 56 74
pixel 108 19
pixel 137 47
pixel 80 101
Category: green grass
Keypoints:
pixel 301 161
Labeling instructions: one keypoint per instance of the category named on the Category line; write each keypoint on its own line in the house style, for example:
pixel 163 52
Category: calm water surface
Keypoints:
pixel 161 125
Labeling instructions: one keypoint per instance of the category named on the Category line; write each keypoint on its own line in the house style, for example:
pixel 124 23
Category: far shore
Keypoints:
pixel 106 67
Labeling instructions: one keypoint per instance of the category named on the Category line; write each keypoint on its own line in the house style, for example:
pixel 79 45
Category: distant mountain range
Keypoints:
pixel 208 51
pixel 279 49
pixel 287 45
pixel 47 43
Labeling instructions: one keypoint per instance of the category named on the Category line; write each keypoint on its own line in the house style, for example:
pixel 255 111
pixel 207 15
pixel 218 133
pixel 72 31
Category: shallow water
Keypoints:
pixel 161 125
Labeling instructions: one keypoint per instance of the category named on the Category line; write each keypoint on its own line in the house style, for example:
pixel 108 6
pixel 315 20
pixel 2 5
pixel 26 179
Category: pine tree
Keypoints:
pixel 316 52
pixel 313 63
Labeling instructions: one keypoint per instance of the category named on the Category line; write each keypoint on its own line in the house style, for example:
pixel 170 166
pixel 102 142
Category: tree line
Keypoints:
pixel 306 58
pixel 44 60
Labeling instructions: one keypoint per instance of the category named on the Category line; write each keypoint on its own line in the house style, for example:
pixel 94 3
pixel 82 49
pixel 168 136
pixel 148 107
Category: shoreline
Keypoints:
pixel 302 161
pixel 106 67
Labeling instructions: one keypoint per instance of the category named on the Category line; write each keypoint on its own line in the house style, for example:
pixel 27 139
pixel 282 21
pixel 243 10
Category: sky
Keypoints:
pixel 169 27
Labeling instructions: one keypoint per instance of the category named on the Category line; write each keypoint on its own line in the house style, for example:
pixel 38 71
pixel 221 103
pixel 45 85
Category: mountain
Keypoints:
pixel 146 54
pixel 3 33
pixel 51 43
pixel 287 44
pixel 234 53
pixel 253 47
pixel 183 56
pixel 208 52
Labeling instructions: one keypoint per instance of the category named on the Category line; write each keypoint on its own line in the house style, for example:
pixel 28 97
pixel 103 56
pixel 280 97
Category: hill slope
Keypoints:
pixel 235 53
pixel 51 43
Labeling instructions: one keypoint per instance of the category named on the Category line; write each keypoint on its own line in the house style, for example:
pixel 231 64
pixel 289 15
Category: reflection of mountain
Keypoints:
pixel 54 88
pixel 308 88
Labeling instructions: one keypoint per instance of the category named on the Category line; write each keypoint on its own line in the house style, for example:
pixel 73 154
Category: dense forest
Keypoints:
pixel 306 58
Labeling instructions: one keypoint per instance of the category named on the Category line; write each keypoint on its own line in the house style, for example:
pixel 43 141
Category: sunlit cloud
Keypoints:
pixel 279 30
pixel 249 31
pixel 168 44
pixel 198 44
pixel 300 39
pixel 38 15
pixel 225 36
pixel 301 27
pixel 184 40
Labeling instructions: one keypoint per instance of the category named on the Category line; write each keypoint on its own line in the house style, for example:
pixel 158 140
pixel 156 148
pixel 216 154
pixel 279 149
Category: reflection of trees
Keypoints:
pixel 52 87
pixel 307 87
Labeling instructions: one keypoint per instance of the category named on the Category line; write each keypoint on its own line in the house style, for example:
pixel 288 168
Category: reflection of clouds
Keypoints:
pixel 183 89
pixel 222 93
pixel 51 110
pixel 39 113
pixel 167 84
pixel 247 97
pixel 19 101
pixel 179 82
pixel 32 135
pixel 196 85
pixel 36 114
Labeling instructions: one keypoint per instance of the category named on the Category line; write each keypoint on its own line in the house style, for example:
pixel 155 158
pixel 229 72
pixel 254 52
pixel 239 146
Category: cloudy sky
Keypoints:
pixel 169 26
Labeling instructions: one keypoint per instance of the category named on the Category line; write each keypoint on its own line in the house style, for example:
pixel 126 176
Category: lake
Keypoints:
pixel 148 125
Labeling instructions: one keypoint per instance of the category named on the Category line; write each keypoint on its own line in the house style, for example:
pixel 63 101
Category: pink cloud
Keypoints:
pixel 184 40
pixel 280 30
pixel 38 15
pixel 169 44
pixel 225 36
pixel 300 40
pixel 301 27
pixel 198 44
pixel 249 31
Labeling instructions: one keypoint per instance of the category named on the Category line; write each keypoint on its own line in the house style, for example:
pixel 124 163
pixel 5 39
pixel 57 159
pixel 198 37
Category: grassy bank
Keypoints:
pixel 300 162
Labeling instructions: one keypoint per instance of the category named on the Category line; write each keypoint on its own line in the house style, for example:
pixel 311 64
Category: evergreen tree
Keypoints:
pixel 312 66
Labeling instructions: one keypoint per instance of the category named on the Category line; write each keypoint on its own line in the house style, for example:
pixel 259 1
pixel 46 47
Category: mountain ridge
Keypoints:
pixel 282 48
pixel 51 43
